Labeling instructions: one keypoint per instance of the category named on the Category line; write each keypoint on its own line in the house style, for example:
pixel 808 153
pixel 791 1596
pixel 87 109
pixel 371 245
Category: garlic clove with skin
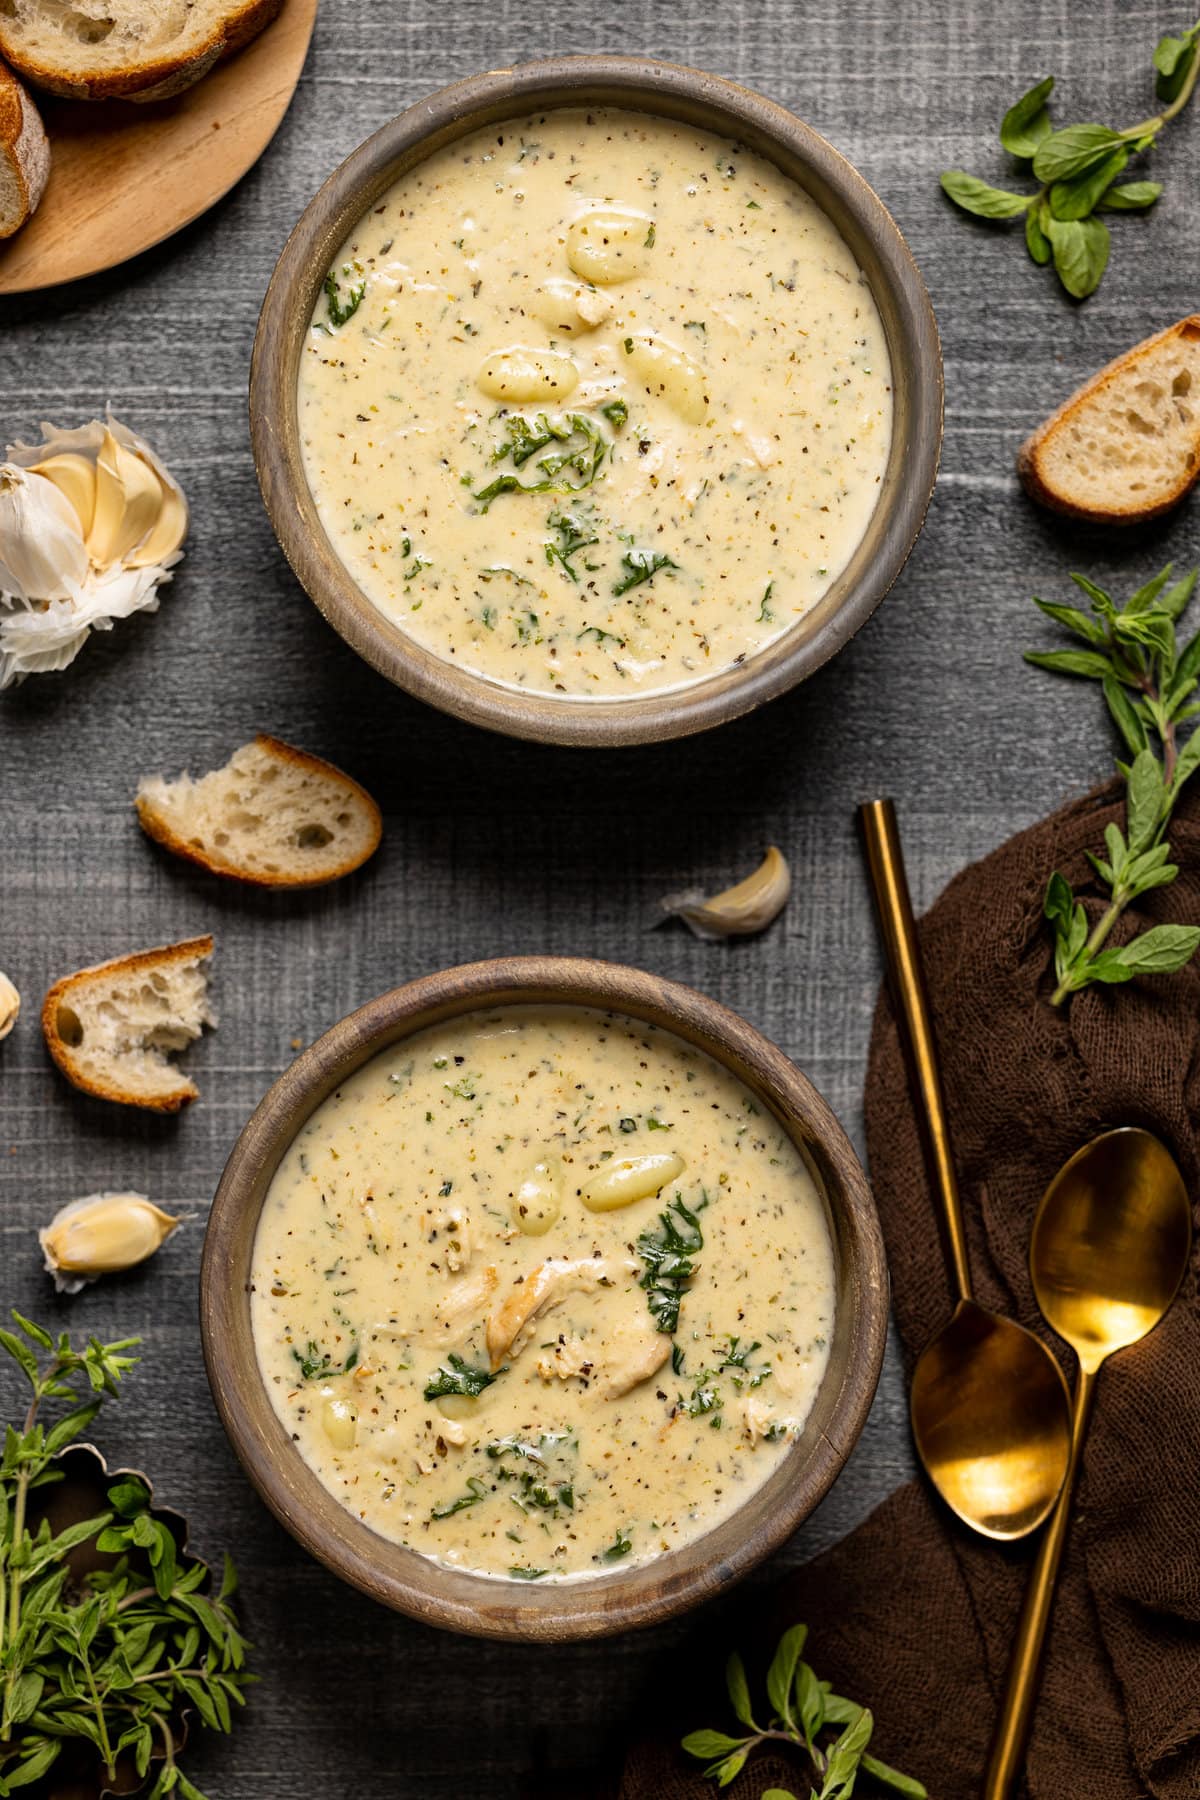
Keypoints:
pixel 165 537
pixel 75 478
pixel 10 1005
pixel 737 911
pixel 102 1234
pixel 42 553
pixel 128 503
pixel 91 525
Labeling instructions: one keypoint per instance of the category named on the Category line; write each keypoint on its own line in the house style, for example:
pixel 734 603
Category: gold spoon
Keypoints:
pixel 1110 1246
pixel 991 1415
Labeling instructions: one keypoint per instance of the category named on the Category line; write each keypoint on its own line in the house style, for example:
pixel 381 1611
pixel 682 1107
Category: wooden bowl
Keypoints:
pixel 713 105
pixel 593 1606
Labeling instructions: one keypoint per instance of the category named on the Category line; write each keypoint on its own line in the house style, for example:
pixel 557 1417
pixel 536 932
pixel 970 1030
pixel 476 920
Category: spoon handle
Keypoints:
pixel 1007 1759
pixel 897 928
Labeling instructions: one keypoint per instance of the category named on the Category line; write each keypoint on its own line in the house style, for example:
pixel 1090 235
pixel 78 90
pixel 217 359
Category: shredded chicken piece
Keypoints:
pixel 758 1420
pixel 464 1303
pixel 635 1356
pixel 541 1289
pixel 569 1358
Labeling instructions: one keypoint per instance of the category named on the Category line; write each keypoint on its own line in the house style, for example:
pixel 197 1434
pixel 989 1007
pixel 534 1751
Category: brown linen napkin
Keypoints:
pixel 912 1614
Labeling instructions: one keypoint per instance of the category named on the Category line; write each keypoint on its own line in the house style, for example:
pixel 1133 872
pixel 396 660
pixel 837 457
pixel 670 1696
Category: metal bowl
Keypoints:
pixel 483 1605
pixel 711 104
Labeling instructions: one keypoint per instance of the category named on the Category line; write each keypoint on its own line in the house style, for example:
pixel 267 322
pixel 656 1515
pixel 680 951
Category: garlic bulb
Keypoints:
pixel 101 1235
pixel 91 524
pixel 738 911
pixel 10 1005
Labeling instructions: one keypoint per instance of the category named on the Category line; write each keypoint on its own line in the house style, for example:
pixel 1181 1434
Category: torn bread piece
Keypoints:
pixel 24 154
pixel 126 49
pixel 113 1029
pixel 273 816
pixel 1126 446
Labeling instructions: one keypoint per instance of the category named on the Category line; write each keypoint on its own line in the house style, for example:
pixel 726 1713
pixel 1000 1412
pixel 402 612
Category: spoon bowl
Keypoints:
pixel 1110 1243
pixel 989 1408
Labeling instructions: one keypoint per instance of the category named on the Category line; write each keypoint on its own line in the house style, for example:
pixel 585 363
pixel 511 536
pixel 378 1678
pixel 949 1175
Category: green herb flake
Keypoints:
pixel 669 1254
pixel 641 566
pixel 455 1376
pixel 339 309
pixel 476 1491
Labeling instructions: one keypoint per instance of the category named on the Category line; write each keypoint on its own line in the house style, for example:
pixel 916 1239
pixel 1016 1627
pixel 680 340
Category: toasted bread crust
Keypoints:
pixel 1029 455
pixel 189 950
pixel 158 79
pixel 156 826
pixel 24 144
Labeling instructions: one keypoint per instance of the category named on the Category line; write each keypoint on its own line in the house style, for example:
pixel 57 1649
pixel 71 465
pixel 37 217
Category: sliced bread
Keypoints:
pixel 24 154
pixel 273 815
pixel 112 1029
pixel 125 49
pixel 1126 447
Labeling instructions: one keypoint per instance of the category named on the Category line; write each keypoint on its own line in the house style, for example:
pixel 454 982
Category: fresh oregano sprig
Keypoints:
pixel 830 1734
pixel 112 1658
pixel 1149 685
pixel 1079 169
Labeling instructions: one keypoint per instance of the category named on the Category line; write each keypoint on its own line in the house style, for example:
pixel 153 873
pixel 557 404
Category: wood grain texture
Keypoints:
pixel 493 846
pixel 123 176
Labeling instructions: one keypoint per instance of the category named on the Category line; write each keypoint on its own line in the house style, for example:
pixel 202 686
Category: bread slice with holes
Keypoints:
pixel 125 49
pixel 113 1029
pixel 1126 447
pixel 24 154
pixel 274 816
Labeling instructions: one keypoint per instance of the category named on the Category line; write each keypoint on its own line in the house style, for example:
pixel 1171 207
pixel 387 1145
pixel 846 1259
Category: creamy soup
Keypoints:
pixel 595 404
pixel 542 1292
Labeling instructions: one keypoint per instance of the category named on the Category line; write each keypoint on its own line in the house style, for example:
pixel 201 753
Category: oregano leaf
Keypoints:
pixel 978 197
pixel 1073 150
pixel 1081 248
pixel 1027 122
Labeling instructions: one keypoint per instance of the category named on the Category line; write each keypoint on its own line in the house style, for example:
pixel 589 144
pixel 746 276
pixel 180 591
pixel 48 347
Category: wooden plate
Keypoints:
pixel 124 177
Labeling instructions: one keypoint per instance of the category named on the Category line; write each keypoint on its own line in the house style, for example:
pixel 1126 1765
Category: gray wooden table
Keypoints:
pixel 494 846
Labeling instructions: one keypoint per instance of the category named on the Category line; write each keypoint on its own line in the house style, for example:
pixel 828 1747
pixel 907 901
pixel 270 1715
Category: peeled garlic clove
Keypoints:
pixel 74 476
pixel 42 554
pixel 10 1005
pixel 339 1421
pixel 633 1178
pixel 538 1201
pixel 737 911
pixel 102 1234
pixel 129 499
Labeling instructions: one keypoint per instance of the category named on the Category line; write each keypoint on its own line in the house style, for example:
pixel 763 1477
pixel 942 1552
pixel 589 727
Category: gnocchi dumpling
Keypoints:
pixel 538 1200
pixel 668 374
pixel 607 247
pixel 568 306
pixel 521 375
pixel 633 1178
pixel 339 1420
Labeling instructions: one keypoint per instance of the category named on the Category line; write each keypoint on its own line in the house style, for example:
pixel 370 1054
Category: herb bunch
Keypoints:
pixel 113 1658
pixel 1079 170
pixel 1149 684
pixel 805 1710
